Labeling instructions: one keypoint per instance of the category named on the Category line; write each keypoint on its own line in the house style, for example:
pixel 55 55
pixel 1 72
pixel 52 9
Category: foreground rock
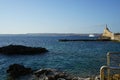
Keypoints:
pixel 16 70
pixel 19 72
pixel 20 49
pixel 53 74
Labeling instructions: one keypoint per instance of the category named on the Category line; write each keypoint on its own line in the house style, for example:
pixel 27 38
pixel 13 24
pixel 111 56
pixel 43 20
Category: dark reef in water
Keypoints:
pixel 20 49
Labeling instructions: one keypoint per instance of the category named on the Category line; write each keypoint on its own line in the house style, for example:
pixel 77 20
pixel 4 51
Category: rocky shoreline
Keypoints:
pixel 16 71
pixel 19 72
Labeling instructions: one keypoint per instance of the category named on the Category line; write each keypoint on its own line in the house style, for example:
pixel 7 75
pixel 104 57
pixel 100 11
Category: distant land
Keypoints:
pixel 51 34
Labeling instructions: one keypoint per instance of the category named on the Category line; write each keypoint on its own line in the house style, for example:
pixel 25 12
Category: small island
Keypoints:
pixel 20 49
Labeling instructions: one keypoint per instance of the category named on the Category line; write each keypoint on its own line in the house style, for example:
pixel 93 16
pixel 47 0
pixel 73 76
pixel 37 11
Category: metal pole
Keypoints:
pixel 102 72
pixel 108 64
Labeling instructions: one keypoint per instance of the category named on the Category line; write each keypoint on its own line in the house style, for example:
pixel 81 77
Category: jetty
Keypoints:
pixel 65 40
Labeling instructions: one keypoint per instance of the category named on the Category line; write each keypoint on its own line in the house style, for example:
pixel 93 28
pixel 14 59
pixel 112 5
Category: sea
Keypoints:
pixel 80 58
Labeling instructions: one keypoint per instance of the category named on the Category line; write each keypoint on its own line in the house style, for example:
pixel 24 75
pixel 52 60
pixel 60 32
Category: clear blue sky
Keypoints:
pixel 58 16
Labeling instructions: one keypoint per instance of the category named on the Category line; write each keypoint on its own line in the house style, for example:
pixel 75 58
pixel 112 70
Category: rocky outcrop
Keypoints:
pixel 16 70
pixel 53 74
pixel 20 49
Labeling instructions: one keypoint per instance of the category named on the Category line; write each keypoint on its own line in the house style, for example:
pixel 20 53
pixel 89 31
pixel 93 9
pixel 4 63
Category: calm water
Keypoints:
pixel 78 58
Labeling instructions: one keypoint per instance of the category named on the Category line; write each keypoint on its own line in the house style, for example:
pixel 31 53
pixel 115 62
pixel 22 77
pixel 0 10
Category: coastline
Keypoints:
pixel 18 71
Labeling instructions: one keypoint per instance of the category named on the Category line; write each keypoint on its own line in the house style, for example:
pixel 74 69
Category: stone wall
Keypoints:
pixel 116 37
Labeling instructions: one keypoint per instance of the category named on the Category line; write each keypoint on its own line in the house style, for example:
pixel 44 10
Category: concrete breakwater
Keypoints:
pixel 66 40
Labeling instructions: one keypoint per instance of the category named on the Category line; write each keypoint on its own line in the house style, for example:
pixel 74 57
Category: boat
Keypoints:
pixel 91 35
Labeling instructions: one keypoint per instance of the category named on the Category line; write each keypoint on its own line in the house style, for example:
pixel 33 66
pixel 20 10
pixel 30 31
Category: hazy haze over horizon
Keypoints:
pixel 58 16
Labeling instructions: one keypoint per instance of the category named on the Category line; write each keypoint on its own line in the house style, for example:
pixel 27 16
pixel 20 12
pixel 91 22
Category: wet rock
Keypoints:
pixel 51 74
pixel 20 49
pixel 97 77
pixel 61 79
pixel 116 77
pixel 16 70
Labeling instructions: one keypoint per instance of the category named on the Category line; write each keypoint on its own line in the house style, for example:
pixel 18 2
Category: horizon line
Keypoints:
pixel 42 33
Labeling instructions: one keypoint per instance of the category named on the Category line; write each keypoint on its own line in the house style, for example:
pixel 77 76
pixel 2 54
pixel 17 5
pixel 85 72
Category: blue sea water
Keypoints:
pixel 77 58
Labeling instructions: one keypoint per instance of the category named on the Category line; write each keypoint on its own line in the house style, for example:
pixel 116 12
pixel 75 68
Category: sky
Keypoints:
pixel 58 16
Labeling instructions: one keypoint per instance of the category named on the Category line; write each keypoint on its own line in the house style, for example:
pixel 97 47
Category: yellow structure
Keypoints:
pixel 110 35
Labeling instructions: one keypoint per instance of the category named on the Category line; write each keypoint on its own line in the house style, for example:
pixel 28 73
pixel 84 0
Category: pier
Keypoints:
pixel 68 40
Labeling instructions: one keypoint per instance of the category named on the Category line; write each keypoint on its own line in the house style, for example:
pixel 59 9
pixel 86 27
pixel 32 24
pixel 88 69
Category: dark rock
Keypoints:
pixel 20 49
pixel 52 77
pixel 61 79
pixel 97 77
pixel 17 70
pixel 51 74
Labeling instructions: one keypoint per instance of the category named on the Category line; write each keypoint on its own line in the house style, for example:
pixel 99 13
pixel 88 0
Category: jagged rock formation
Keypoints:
pixel 18 71
pixel 110 35
pixel 20 49
pixel 53 74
